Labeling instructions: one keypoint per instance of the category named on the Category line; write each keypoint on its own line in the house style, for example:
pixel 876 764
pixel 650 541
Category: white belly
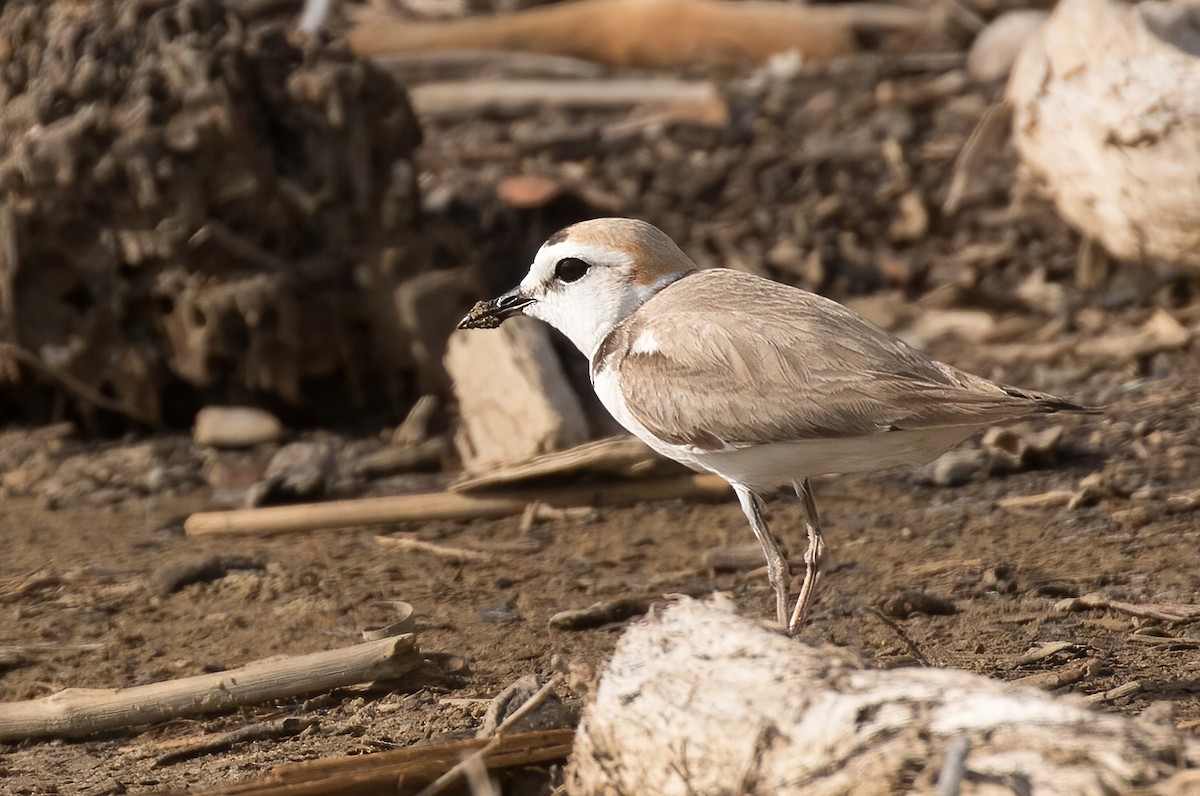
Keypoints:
pixel 767 467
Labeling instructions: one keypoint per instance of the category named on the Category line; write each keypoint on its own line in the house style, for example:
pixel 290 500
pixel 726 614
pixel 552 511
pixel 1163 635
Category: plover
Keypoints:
pixel 761 383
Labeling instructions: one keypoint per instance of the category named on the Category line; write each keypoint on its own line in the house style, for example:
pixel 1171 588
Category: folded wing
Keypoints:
pixel 723 359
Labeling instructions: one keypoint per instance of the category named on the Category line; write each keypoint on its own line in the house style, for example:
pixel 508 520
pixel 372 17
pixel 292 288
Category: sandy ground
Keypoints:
pixel 92 597
pixel 800 186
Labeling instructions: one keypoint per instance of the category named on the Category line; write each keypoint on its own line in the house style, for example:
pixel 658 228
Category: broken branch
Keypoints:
pixel 445 506
pixel 514 96
pixel 416 766
pixel 81 711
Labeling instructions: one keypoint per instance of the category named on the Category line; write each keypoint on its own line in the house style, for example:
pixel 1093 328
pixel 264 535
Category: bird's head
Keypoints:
pixel 587 278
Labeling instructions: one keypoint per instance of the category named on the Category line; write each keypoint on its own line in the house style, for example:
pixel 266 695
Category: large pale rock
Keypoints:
pixel 1106 103
pixel 997 46
pixel 702 701
pixel 235 427
pixel 514 399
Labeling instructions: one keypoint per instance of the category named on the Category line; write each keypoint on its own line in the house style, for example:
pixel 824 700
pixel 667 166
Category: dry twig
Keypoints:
pixel 409 543
pixel 475 758
pixel 1112 694
pixel 1174 613
pixel 80 711
pixel 471 97
pixel 445 506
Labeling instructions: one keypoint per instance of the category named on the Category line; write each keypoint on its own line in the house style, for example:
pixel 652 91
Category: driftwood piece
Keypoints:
pixel 80 711
pixel 419 67
pixel 414 429
pixel 1106 100
pixel 403 771
pixel 699 700
pixel 409 544
pixel 1173 613
pixel 427 455
pixel 514 399
pixel 446 506
pixel 472 97
pixel 623 456
pixel 187 217
pixel 644 33
pixel 997 46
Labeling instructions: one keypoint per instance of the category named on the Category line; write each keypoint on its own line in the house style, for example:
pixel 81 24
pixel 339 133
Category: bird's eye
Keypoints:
pixel 570 269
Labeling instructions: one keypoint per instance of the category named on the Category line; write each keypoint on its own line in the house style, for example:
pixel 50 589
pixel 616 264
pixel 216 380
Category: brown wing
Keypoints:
pixel 738 360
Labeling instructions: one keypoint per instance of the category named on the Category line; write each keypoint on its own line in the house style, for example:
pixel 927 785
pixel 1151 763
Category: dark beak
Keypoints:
pixel 490 314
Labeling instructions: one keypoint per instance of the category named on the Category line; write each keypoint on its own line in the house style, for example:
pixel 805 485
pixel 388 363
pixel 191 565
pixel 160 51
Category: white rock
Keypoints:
pixel 995 49
pixel 514 399
pixel 235 427
pixel 1106 119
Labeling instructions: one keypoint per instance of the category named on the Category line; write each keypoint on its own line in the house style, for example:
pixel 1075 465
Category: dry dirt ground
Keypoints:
pixel 81 580
pixel 802 184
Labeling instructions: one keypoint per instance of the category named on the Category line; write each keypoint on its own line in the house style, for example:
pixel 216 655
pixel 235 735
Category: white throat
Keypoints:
pixel 590 316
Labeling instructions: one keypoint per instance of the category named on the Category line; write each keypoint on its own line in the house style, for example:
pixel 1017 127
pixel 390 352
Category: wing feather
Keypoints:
pixel 740 361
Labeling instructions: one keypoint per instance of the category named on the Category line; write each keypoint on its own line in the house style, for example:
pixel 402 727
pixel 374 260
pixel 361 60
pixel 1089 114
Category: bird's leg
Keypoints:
pixel 777 566
pixel 812 556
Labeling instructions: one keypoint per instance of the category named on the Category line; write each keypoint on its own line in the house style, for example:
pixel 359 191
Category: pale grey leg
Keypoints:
pixel 777 566
pixel 812 556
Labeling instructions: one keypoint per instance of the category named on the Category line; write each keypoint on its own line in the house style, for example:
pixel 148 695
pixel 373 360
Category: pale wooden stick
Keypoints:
pixel 986 137
pixel 623 455
pixel 512 96
pixel 637 33
pixel 446 506
pixel 414 429
pixel 409 543
pixel 1128 689
pixel 418 64
pixel 1054 497
pixel 1175 613
pixel 1066 675
pixel 391 460
pixel 81 711
pixel 351 513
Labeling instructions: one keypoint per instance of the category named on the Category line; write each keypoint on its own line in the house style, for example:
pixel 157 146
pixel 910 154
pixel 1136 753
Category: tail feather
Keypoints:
pixel 1050 404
